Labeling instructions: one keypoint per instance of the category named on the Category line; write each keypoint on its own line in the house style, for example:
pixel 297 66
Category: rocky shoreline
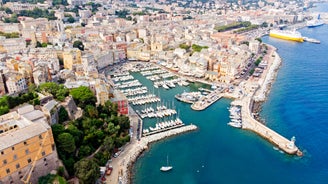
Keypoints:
pixel 266 87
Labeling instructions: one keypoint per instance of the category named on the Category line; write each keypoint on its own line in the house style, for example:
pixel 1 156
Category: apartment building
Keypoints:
pixel 27 148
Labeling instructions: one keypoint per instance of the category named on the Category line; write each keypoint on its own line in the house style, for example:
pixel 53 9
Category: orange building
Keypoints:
pixel 27 148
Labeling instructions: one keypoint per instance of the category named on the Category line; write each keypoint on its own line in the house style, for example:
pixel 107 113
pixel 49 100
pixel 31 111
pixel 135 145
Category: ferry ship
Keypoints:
pixel 315 22
pixel 287 35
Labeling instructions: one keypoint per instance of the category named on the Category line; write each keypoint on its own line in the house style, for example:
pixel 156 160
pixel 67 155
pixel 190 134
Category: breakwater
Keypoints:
pixel 137 148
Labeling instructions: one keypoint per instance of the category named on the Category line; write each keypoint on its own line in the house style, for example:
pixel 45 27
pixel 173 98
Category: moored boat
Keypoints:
pixel 167 167
pixel 315 22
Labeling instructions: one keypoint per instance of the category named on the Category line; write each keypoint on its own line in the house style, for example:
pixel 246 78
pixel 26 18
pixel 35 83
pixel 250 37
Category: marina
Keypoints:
pixel 146 104
pixel 235 117
pixel 158 118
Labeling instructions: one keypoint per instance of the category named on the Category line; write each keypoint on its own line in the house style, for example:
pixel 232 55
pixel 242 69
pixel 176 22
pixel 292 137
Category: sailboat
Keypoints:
pixel 167 167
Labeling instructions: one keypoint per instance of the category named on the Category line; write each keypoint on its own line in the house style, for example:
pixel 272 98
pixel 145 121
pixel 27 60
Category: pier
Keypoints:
pixel 249 123
pixel 121 165
pixel 206 101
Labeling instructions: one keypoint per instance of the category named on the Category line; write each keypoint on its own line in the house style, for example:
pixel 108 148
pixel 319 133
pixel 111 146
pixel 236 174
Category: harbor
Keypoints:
pixel 159 118
pixel 167 119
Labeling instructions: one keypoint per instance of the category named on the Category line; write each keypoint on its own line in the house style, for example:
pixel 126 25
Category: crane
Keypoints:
pixel 26 178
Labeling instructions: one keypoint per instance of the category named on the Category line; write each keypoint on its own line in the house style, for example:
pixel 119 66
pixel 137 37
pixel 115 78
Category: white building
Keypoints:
pixel 15 82
pixel 105 59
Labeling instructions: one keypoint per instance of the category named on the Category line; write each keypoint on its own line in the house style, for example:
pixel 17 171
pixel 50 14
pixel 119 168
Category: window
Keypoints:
pixel 8 171
pixel 17 166
pixel 27 151
pixel 53 147
pixel 29 160
pixel 43 153
pixel 45 159
pixel 13 148
pixel 25 143
pixel 40 136
pixel 4 162
pixel 15 157
pixel 2 153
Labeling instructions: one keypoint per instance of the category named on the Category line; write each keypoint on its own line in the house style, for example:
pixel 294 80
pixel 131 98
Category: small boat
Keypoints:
pixel 167 167
pixel 235 124
pixel 315 22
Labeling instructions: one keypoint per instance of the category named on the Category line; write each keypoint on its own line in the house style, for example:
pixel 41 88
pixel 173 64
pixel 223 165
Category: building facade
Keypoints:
pixel 27 148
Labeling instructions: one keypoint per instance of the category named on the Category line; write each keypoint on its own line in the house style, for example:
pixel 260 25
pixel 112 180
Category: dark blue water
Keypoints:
pixel 216 153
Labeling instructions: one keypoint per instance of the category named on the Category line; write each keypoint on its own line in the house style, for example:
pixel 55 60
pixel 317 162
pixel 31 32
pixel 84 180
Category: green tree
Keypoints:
pixel 259 39
pixel 83 96
pixel 4 110
pixel 184 46
pixel 71 19
pixel 69 164
pixel 78 44
pixel 66 142
pixel 264 24
pixel 57 129
pixel 8 10
pixel 59 91
pixel 87 170
pixel 76 133
pixel 85 151
pixel 44 44
pixel 109 143
pixel 59 2
pixel 91 111
pixel 38 44
pixel 63 115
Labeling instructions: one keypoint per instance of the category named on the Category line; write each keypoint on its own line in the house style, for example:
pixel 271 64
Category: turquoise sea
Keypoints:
pixel 216 153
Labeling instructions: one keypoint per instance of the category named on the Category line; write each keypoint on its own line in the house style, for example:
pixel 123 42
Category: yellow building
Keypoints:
pixel 27 148
pixel 102 92
pixel 71 57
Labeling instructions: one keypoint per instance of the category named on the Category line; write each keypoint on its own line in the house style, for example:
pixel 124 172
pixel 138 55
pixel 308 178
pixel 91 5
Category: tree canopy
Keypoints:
pixel 198 48
pixel 101 128
pixel 9 102
pixel 83 96
pixel 10 35
pixel 78 44
pixel 66 142
pixel 87 170
pixel 58 91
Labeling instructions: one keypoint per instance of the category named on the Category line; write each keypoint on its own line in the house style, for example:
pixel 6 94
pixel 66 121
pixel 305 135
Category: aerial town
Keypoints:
pixel 64 63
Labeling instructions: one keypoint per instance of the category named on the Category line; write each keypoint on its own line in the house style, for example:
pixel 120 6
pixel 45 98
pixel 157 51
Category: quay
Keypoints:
pixel 258 94
pixel 207 100
pixel 249 123
pixel 162 130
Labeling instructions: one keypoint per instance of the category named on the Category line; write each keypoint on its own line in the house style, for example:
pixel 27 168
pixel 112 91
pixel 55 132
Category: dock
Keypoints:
pixel 207 100
pixel 161 130
pixel 250 123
